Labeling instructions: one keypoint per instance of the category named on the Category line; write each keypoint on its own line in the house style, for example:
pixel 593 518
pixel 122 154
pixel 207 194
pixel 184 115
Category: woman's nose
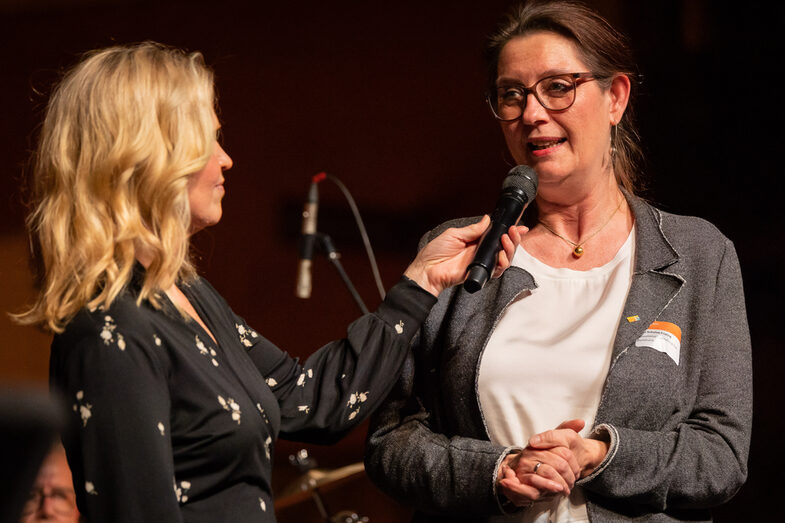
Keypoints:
pixel 224 160
pixel 533 111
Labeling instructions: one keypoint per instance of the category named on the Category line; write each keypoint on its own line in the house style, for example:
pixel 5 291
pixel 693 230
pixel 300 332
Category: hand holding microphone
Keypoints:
pixel 518 189
pixel 443 261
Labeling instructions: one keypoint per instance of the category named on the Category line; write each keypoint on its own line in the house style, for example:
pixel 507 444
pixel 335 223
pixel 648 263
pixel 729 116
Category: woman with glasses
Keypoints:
pixel 606 375
pixel 175 402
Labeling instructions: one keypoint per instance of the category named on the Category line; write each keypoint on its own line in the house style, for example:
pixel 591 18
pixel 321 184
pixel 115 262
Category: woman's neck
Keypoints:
pixel 577 213
pixel 143 255
pixel 175 295
pixel 579 229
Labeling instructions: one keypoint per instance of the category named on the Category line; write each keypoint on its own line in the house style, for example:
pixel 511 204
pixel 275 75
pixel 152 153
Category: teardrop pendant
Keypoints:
pixel 577 251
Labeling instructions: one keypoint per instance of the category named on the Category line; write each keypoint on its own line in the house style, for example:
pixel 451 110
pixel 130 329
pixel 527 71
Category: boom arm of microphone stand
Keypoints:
pixel 335 258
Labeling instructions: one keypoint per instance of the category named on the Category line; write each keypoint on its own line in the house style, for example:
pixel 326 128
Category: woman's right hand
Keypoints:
pixel 535 474
pixel 589 453
pixel 442 263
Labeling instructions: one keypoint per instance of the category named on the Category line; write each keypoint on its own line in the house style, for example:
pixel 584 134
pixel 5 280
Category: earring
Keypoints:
pixel 614 137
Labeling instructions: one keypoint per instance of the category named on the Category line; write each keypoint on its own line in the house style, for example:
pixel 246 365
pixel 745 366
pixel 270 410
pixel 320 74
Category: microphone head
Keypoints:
pixel 524 178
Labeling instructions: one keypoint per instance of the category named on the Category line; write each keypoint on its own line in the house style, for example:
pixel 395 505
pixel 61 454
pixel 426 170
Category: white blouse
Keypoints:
pixel 547 359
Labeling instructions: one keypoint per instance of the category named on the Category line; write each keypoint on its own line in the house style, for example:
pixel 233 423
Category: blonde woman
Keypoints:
pixel 176 400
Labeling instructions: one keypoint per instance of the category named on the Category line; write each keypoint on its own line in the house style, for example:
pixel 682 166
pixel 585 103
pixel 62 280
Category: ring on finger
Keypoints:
pixel 537 467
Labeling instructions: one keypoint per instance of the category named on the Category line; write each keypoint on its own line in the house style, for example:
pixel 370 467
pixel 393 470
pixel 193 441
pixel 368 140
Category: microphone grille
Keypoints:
pixel 524 178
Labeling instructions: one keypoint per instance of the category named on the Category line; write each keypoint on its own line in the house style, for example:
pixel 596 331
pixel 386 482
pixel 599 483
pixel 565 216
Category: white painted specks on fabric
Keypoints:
pixel 263 413
pixel 354 403
pixel 231 406
pixel 84 409
pixel 246 334
pixel 206 351
pixel 108 333
pixel 180 491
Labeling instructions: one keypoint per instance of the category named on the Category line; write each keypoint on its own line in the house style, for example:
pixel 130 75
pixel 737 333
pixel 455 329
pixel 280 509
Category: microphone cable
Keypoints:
pixel 360 226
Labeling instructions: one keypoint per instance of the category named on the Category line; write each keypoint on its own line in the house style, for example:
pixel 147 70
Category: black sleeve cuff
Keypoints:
pixel 405 307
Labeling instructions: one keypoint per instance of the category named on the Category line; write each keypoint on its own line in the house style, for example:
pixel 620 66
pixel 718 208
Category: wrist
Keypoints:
pixel 420 276
pixel 507 463
pixel 597 450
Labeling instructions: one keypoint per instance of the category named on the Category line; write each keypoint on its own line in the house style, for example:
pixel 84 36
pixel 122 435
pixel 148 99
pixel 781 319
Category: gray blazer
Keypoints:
pixel 679 433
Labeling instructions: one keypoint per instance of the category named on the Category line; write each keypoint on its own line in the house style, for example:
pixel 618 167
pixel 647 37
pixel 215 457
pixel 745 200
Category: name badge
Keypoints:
pixel 662 336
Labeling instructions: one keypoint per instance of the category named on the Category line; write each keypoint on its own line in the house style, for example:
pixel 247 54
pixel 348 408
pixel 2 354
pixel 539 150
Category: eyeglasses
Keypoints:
pixel 62 502
pixel 555 93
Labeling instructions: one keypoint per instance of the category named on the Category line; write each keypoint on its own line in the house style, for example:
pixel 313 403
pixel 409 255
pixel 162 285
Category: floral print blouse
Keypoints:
pixel 168 425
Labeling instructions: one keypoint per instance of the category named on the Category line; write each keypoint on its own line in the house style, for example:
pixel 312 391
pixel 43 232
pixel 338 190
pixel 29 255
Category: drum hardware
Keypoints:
pixel 313 482
pixel 347 516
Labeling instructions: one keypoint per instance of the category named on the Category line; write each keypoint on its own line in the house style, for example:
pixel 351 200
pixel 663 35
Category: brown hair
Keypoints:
pixel 604 50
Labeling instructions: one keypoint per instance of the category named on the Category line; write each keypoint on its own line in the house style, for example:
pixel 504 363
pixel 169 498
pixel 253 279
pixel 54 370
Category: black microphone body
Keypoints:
pixel 307 243
pixel 518 190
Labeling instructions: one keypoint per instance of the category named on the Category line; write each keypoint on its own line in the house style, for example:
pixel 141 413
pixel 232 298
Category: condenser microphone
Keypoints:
pixel 518 189
pixel 308 239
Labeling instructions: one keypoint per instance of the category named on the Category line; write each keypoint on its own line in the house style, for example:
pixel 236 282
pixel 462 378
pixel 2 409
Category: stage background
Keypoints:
pixel 388 97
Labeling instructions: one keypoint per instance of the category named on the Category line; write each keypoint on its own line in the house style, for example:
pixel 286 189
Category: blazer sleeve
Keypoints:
pixel 118 440
pixel 420 466
pixel 340 384
pixel 702 461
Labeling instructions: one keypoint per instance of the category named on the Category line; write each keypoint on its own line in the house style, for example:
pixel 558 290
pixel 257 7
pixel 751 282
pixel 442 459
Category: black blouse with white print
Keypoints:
pixel 169 426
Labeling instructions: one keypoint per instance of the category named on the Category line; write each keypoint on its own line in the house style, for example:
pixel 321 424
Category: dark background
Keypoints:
pixel 388 97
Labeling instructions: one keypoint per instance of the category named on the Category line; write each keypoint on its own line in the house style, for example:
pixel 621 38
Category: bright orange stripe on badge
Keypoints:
pixel 668 327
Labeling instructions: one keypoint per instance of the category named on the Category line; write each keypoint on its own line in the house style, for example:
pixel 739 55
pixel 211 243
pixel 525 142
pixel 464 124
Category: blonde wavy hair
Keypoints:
pixel 123 131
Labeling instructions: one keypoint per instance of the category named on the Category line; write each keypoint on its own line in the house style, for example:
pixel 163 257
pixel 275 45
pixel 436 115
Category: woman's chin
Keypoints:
pixel 550 175
pixel 198 224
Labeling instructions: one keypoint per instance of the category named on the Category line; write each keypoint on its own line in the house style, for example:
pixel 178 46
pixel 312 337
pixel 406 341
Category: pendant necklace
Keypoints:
pixel 578 247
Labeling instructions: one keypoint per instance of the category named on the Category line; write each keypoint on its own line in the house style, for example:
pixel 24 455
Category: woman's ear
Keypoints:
pixel 619 93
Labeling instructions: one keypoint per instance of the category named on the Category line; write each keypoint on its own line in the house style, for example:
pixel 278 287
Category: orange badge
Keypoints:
pixel 667 327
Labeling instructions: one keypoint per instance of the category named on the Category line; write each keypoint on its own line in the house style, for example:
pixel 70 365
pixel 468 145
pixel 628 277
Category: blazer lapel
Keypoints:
pixel 652 286
pixel 474 318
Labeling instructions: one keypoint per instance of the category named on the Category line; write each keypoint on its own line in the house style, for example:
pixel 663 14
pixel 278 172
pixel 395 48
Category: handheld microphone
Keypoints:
pixel 308 238
pixel 518 189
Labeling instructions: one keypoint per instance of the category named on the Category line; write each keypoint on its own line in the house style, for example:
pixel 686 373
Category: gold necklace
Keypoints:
pixel 578 247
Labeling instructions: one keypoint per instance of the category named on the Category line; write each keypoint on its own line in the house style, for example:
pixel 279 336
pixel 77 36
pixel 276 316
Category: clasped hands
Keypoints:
pixel 550 464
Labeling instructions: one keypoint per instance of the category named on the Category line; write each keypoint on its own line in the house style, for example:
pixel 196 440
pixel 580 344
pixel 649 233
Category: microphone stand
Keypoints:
pixel 335 258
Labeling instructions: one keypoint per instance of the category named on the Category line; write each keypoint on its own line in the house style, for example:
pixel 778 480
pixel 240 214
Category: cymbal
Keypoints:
pixel 314 479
